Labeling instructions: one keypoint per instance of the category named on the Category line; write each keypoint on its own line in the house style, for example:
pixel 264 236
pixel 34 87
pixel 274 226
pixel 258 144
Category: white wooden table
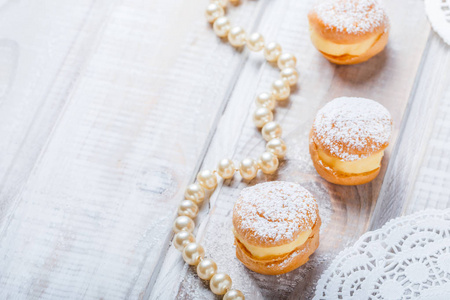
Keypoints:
pixel 109 108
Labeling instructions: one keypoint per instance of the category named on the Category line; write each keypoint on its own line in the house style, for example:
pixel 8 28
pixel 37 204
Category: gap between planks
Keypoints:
pixel 225 101
pixel 429 86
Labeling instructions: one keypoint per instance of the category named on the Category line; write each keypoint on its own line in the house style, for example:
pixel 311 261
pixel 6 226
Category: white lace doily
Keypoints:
pixel 408 258
pixel 438 12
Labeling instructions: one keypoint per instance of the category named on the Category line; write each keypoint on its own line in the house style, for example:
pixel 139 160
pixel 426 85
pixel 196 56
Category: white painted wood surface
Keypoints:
pixel 109 108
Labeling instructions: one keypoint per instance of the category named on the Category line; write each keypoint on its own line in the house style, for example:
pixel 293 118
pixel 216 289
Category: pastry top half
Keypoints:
pixel 350 128
pixel 348 21
pixel 274 213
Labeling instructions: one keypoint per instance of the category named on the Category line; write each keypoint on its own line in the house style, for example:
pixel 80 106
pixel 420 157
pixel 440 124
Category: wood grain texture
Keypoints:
pixel 417 177
pixel 40 64
pixel 346 210
pixel 94 209
pixel 108 109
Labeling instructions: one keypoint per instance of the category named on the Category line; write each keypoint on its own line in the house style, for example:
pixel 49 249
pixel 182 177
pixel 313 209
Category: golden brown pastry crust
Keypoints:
pixel 332 34
pixel 347 146
pixel 280 264
pixel 336 177
pixel 309 212
pixel 255 240
pixel 376 48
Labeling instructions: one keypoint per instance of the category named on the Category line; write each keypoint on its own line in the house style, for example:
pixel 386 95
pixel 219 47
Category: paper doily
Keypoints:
pixel 438 12
pixel 408 258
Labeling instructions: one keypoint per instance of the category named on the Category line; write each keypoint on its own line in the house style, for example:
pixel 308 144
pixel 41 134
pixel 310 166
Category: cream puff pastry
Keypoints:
pixel 348 31
pixel 276 227
pixel 348 138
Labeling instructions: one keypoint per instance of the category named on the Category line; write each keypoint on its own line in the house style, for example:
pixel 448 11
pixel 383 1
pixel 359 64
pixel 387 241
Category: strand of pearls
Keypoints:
pixel 184 240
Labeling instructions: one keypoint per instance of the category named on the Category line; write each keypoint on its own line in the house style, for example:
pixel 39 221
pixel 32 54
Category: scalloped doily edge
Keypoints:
pixel 348 250
pixel 437 18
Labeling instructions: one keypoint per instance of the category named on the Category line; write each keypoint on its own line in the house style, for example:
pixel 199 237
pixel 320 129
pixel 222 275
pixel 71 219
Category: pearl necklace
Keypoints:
pixel 184 240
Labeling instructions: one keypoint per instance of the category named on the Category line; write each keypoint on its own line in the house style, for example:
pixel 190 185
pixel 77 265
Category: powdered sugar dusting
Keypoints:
pixel 352 128
pixel 275 212
pixel 351 16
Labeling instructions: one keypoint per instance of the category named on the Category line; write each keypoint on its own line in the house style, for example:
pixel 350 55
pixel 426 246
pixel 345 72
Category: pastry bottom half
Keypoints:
pixel 332 176
pixel 280 264
pixel 347 59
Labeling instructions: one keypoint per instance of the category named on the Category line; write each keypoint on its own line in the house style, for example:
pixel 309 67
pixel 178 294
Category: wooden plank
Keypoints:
pixel 387 78
pixel 101 196
pixel 39 66
pixel 411 184
pixel 108 110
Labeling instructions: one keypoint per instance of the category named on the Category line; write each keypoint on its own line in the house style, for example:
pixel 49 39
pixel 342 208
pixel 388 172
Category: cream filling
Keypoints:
pixel 262 252
pixel 334 49
pixel 352 167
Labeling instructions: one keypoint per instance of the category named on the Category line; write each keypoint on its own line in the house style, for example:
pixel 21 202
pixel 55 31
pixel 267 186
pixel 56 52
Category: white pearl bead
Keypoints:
pixel 268 162
pixel 271 130
pixel 262 116
pixel 221 26
pixel 290 75
pixel 277 147
pixel 183 238
pixel 222 3
pixel 286 60
pixel 207 179
pixel 272 51
pixel 213 11
pixel 206 269
pixel 280 89
pixel 188 208
pixel 255 42
pixel 183 223
pixel 226 168
pixel 237 36
pixel 265 100
pixel 234 295
pixel 195 192
pixel 248 168
pixel 193 253
pixel 220 283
